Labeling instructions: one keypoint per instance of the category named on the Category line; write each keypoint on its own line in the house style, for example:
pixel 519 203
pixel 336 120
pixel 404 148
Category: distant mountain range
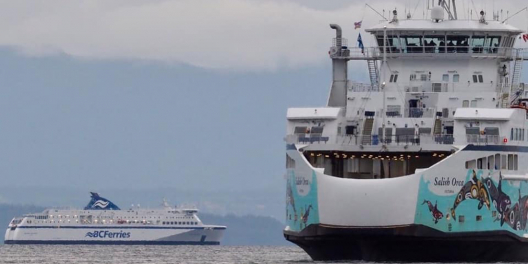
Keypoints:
pixel 241 230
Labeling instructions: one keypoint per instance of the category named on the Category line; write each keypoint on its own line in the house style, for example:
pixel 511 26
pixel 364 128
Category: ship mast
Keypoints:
pixel 449 7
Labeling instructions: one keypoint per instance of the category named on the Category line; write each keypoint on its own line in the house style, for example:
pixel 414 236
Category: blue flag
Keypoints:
pixel 360 43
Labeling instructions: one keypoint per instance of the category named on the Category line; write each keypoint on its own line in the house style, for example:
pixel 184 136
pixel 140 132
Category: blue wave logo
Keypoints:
pixel 101 204
pixel 107 234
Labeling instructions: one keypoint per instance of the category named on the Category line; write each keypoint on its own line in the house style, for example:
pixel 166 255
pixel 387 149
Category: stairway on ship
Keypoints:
pixel 367 131
pixel 437 127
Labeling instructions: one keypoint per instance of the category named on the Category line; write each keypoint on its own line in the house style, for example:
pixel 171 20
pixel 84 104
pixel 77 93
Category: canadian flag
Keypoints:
pixel 525 37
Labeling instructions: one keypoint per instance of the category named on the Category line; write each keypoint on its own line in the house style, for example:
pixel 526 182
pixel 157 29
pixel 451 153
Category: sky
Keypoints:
pixel 184 99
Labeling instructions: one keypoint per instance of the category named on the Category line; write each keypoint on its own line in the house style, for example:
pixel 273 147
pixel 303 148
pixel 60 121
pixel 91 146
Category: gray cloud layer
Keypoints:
pixel 223 34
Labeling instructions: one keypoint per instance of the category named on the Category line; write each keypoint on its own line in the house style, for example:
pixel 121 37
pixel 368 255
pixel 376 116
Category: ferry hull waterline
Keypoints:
pixel 103 223
pixel 440 180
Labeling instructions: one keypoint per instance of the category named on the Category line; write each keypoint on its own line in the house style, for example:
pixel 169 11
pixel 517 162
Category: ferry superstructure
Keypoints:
pixel 102 222
pixel 425 162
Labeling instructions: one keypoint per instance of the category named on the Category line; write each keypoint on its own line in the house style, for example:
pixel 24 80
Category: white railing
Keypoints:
pixel 483 139
pixel 477 51
pixel 357 140
pixel 427 86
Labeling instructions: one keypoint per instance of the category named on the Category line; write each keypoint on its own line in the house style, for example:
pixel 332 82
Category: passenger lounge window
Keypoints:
pixel 475 80
pixel 456 78
pixel 300 130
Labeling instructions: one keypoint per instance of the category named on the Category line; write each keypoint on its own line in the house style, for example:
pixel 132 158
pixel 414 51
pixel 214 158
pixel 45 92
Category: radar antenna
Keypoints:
pixel 450 8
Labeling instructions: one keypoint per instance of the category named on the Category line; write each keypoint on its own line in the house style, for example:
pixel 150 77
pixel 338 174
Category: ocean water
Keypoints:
pixel 61 254
pixel 79 254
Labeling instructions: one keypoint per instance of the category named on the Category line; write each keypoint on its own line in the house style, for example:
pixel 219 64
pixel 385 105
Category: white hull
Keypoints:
pixel 113 235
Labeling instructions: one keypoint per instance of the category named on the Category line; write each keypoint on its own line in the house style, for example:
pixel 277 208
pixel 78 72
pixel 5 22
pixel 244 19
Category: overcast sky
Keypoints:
pixel 221 34
pixel 181 94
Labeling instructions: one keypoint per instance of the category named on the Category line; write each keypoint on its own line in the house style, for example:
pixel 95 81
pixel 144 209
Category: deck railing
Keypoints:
pixel 440 51
pixel 357 140
pixel 392 140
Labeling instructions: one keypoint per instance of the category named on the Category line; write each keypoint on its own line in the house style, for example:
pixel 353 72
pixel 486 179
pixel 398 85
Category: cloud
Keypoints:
pixel 219 34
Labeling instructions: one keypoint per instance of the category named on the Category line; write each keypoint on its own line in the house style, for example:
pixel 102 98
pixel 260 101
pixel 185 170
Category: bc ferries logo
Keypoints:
pixel 108 234
pixel 101 204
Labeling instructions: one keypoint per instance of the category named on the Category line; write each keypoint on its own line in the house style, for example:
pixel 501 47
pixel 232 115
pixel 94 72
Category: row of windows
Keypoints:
pixel 517 134
pixel 442 44
pixel 393 78
pixel 427 77
pixel 180 223
pixel 465 103
pixel 103 217
pixel 478 78
pixel 495 162
pixel 456 78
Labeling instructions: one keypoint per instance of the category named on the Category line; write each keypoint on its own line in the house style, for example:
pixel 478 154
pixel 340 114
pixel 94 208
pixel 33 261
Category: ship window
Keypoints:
pixel 493 43
pixel 432 42
pixel 475 80
pixel 504 163
pixel 461 219
pixel 300 130
pixel 477 42
pixel 456 78
pixel 412 77
pixel 413 44
pixel 423 77
pixel 480 163
pixel 290 163
pixel 465 103
pixel 511 134
pixel 395 77
pixel 445 78
pixel 510 162
pixel 458 44
pixel 497 161
pixel 317 130
pixel 481 79
pixel 491 162
pixel 473 103
pixel 471 164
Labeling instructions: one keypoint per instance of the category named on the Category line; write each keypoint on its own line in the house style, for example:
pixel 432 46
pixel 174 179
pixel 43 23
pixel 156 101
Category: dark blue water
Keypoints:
pixel 60 254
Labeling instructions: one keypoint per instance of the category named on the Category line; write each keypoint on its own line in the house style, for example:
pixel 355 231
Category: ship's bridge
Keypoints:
pixel 440 39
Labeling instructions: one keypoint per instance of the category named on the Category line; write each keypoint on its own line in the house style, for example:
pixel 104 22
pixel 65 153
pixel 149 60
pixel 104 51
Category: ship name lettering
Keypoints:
pixel 442 182
pixel 455 182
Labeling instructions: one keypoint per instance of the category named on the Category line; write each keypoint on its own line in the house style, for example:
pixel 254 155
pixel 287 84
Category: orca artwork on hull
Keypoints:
pixel 423 163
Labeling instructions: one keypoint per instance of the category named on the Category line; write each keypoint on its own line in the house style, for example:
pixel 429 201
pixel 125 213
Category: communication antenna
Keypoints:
pixel 526 8
pixel 372 8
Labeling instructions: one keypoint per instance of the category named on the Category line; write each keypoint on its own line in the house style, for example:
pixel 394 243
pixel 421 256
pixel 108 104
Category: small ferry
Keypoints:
pixel 423 163
pixel 103 222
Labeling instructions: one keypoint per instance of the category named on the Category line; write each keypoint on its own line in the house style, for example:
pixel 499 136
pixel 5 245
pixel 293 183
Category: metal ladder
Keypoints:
pixel 517 69
pixel 367 131
pixel 516 77
pixel 373 73
pixel 437 127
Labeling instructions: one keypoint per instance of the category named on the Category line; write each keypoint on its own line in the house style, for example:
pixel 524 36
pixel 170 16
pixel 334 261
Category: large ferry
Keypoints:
pixel 103 222
pixel 424 162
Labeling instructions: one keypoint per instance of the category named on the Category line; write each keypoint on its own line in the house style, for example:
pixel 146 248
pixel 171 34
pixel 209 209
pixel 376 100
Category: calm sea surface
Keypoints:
pixel 150 254
pixel 153 254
